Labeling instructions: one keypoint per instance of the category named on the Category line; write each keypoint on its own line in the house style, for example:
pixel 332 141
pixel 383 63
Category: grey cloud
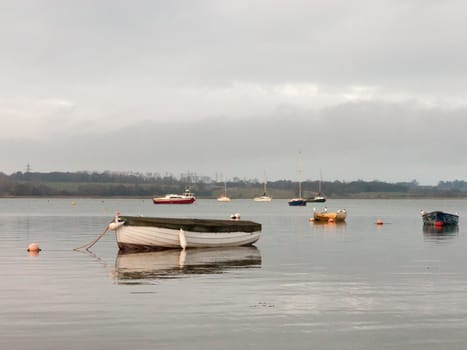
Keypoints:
pixel 245 85
pixel 185 43
pixel 361 140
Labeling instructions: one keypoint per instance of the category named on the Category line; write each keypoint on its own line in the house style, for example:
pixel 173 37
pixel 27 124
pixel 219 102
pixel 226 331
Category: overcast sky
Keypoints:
pixel 362 89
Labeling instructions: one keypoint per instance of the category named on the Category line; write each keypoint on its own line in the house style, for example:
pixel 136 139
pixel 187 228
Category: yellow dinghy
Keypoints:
pixel 325 216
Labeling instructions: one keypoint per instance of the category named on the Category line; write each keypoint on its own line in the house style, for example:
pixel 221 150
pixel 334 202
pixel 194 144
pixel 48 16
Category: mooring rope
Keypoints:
pixel 90 244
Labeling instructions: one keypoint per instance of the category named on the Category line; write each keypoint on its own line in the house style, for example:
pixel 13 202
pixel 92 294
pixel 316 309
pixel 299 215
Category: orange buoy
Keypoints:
pixel 331 220
pixel 379 222
pixel 34 248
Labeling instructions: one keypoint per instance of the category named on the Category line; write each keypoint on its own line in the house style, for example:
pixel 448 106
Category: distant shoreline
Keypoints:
pixel 132 185
pixel 353 197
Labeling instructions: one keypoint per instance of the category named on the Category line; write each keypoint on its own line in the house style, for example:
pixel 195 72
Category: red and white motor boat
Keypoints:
pixel 187 198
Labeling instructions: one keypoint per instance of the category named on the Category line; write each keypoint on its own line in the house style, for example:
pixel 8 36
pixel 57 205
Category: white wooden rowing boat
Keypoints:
pixel 145 233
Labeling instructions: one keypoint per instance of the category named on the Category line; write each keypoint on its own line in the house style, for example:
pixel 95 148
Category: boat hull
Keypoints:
pixel 166 233
pixel 316 200
pixel 440 218
pixel 163 200
pixel 297 202
pixel 262 199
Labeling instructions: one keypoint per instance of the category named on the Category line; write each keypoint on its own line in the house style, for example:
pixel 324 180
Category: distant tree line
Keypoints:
pixel 108 184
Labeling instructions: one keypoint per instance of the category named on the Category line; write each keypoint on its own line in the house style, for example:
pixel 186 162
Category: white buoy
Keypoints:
pixel 182 238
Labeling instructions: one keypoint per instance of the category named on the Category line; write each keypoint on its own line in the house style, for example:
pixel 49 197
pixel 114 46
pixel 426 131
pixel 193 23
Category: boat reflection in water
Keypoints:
pixel 324 226
pixel 433 232
pixel 175 263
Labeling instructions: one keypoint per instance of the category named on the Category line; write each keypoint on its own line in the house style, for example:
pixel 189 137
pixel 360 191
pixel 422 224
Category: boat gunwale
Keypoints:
pixel 193 225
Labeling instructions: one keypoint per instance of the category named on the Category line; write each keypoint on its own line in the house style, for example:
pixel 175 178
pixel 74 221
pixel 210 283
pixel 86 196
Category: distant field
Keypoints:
pixel 134 189
pixel 234 192
pixel 79 186
pixel 65 186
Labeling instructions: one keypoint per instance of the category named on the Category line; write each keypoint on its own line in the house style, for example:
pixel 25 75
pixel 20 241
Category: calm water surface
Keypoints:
pixel 346 286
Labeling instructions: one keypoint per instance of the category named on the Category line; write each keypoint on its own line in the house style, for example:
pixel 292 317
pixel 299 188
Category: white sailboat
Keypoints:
pixel 223 197
pixel 264 197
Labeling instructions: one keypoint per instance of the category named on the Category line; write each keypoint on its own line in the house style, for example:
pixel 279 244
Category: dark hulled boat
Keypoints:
pixel 439 218
pixel 297 202
pixel 316 199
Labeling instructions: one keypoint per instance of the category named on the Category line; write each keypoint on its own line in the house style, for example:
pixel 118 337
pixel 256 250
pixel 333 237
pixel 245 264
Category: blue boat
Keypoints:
pixel 439 218
pixel 297 202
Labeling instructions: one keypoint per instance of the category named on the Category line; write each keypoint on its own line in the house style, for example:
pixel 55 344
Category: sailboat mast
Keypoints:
pixel 319 183
pixel 299 174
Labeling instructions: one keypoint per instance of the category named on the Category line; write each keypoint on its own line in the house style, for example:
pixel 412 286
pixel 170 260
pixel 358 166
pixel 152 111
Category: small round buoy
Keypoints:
pixel 331 220
pixel 73 203
pixel 438 223
pixel 34 247
pixel 311 219
pixel 379 222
